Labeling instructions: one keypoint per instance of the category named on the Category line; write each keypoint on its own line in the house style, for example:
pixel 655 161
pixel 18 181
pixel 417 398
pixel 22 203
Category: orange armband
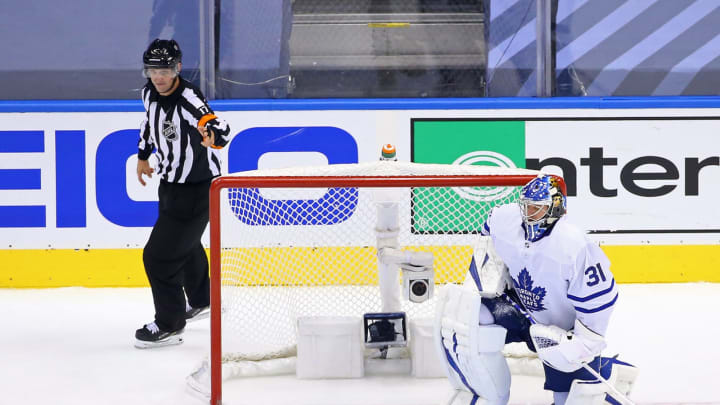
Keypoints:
pixel 205 119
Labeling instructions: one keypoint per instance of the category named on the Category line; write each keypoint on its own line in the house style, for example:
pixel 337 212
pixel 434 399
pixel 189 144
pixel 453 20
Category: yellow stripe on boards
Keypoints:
pixel 124 268
pixel 67 268
pixel 664 263
pixel 266 266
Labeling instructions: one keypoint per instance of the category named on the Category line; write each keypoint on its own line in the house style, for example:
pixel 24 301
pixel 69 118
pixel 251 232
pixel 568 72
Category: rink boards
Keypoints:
pixel 642 175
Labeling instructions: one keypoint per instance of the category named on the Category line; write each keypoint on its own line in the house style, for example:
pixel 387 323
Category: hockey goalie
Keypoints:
pixel 536 279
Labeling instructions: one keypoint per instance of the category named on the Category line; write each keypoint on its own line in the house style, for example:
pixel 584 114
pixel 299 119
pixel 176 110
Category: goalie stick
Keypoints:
pixel 616 394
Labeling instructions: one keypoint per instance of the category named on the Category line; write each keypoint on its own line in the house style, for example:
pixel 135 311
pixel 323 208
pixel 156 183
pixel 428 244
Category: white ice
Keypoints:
pixel 74 346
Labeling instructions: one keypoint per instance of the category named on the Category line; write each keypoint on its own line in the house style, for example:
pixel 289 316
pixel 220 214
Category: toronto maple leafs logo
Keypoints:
pixel 532 298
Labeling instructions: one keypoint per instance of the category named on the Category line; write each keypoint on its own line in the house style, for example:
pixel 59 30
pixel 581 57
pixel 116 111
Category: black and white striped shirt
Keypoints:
pixel 170 127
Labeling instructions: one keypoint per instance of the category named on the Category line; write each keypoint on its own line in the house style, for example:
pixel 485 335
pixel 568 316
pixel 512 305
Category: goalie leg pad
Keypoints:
pixel 586 393
pixel 621 374
pixel 626 375
pixel 472 352
pixel 622 377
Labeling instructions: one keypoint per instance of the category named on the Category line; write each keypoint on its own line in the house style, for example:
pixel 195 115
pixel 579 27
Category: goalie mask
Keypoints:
pixel 162 56
pixel 542 203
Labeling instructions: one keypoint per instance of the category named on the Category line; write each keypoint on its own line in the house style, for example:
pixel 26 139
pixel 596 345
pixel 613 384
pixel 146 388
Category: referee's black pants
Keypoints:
pixel 174 258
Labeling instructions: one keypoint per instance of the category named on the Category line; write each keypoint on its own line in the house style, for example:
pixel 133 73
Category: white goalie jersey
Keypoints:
pixel 560 277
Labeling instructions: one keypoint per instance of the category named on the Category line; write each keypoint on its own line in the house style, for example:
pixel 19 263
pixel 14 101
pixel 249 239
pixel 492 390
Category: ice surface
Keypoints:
pixel 74 346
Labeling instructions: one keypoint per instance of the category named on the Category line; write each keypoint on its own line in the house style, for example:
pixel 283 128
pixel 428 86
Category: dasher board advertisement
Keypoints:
pixel 67 180
pixel 629 179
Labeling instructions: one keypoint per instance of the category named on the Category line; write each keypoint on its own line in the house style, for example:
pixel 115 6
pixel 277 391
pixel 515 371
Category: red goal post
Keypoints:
pixel 375 175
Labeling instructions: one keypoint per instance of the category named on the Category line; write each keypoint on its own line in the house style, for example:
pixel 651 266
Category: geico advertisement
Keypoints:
pixel 67 180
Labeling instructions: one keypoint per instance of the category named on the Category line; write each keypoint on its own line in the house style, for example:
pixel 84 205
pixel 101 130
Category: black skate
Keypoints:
pixel 196 314
pixel 151 335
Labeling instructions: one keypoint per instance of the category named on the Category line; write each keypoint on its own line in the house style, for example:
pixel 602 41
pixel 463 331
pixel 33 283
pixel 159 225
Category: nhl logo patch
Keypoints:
pixel 169 131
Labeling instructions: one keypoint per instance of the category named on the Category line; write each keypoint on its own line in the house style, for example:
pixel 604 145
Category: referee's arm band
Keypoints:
pixel 205 119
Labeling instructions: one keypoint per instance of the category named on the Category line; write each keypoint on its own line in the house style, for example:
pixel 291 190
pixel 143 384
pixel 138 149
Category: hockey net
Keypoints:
pixel 302 242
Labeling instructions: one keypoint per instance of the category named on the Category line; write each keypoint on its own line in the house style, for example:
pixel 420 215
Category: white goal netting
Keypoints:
pixel 305 243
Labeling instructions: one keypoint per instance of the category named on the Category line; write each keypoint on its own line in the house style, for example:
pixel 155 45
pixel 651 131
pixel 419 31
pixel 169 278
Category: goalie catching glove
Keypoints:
pixel 563 350
pixel 487 270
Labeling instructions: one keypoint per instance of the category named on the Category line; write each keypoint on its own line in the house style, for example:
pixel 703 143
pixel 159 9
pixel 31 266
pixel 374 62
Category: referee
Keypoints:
pixel 184 134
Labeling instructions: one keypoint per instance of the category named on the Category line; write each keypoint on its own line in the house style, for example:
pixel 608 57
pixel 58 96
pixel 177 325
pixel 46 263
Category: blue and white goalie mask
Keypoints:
pixel 542 203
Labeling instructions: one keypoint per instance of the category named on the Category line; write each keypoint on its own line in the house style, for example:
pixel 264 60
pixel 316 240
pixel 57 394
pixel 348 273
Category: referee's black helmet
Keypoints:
pixel 162 53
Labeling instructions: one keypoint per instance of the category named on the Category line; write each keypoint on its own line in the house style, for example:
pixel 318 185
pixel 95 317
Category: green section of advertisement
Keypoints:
pixel 477 142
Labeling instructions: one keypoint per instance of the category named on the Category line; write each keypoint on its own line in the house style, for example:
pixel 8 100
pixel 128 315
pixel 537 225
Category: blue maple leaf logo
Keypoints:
pixel 531 297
